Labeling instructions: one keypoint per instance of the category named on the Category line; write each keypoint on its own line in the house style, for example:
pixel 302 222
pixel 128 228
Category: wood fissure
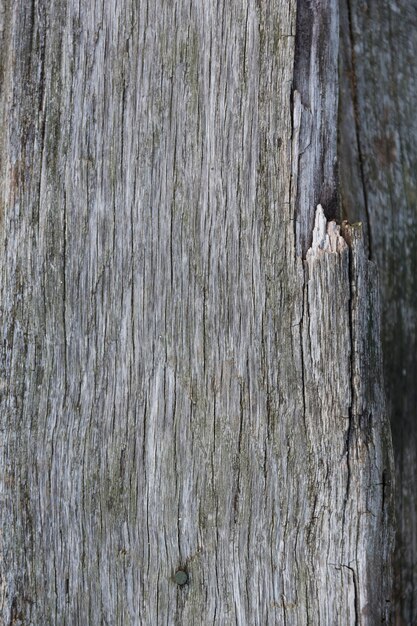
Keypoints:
pixel 355 104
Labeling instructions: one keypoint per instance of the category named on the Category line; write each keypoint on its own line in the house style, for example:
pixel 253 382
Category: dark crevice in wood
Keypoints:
pixel 304 320
pixel 353 84
pixel 351 427
pixel 355 586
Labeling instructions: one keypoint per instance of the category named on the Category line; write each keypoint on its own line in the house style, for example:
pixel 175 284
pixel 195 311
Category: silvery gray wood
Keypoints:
pixel 189 379
pixel 378 165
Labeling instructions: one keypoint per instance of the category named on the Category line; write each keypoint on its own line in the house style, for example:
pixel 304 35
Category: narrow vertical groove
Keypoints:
pixel 357 126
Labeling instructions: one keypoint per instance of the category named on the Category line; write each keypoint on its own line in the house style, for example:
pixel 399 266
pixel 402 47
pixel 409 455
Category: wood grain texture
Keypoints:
pixel 316 81
pixel 378 165
pixel 180 386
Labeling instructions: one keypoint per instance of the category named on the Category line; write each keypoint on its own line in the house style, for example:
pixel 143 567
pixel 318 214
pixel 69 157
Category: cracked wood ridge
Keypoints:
pixel 190 360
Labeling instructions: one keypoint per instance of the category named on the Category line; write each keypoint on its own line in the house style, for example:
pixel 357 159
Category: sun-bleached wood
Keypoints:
pixel 190 376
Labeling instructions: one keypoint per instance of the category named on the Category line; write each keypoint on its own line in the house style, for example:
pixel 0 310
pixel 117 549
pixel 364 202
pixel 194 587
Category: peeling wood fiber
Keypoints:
pixel 190 375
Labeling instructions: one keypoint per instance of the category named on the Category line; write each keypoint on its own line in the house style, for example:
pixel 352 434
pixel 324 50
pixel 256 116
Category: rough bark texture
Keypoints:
pixel 190 377
pixel 378 174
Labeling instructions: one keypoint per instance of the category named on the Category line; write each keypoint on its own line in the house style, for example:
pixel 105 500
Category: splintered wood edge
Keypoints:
pixel 326 236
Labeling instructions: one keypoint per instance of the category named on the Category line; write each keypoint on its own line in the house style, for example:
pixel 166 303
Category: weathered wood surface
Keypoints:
pixel 378 174
pixel 315 115
pixel 190 378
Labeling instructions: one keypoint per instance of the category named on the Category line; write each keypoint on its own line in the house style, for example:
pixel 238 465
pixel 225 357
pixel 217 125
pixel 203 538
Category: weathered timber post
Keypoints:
pixel 193 422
